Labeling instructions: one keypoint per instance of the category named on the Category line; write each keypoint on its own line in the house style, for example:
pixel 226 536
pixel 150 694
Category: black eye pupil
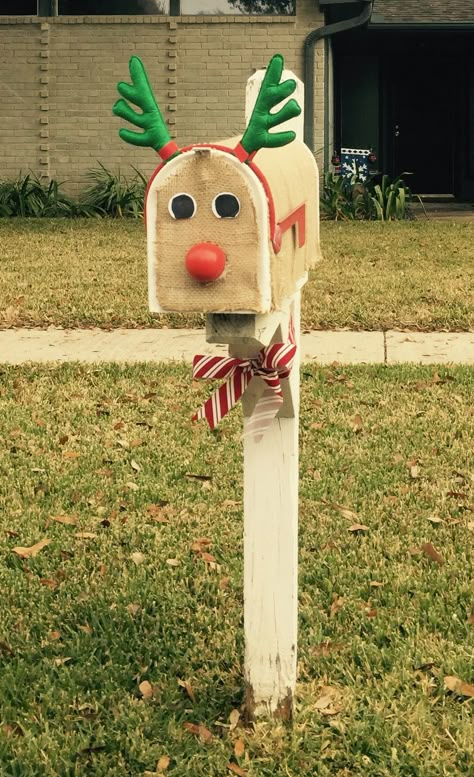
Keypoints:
pixel 182 206
pixel 227 206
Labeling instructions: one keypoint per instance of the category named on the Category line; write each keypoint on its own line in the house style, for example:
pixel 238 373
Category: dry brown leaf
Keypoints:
pixel 358 527
pixel 172 562
pixel 456 685
pixel 193 728
pixel 435 519
pixel 239 748
pixel 138 558
pixel 236 769
pixel 13 729
pixel 49 582
pixel 208 558
pixel 71 455
pixel 224 583
pixel 201 544
pixel 39 422
pixel 86 628
pixel 317 425
pixel 204 733
pixel 376 584
pixel 357 423
pixel 63 439
pixel 146 689
pixel 135 465
pixel 85 535
pixel 230 503
pixel 414 471
pixel 31 551
pixel 470 619
pixel 234 718
pixel 61 661
pixel 188 688
pixel 68 520
pixel 337 604
pixel 346 513
pixel 430 551
pixel 54 635
pixel 131 486
pixel 163 764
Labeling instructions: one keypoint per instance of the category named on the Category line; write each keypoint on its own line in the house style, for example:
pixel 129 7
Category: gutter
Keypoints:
pixel 308 54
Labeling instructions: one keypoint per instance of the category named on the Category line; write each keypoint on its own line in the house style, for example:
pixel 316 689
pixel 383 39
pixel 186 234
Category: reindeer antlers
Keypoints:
pixel 271 93
pixel 140 93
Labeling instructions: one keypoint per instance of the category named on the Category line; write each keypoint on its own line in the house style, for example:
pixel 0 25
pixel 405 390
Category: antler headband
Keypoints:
pixel 257 135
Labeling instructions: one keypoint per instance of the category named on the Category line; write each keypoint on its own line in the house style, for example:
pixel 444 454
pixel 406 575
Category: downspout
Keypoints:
pixel 308 55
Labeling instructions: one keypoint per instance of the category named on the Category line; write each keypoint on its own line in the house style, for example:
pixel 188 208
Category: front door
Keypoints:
pixel 422 122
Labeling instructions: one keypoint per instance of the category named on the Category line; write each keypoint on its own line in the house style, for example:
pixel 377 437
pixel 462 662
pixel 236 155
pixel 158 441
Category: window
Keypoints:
pixel 112 7
pixel 250 7
pixel 18 8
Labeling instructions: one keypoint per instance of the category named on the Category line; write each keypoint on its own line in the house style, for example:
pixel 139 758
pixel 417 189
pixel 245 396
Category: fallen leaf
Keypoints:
pixel 224 583
pixel 49 582
pixel 456 685
pixel 470 619
pixel 358 527
pixel 236 769
pixel 230 503
pixel 13 729
pixel 326 648
pixel 430 551
pixel 357 423
pixel 71 455
pixel 208 558
pixel 86 628
pixel 63 439
pixel 193 728
pixel 134 465
pixel 435 519
pixel 68 520
pixel 32 551
pixel 54 635
pixel 133 608
pixel 317 426
pixel 187 687
pixel 239 748
pixel 85 535
pixel 376 584
pixel 201 544
pixel 346 513
pixel 172 562
pixel 204 733
pixel 39 422
pixel 131 486
pixel 457 494
pixel 146 689
pixel 234 718
pixel 371 613
pixel 414 471
pixel 163 764
pixel 138 558
pixel 337 604
pixel 59 661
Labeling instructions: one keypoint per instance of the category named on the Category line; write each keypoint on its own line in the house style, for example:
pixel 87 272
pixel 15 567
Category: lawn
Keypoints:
pixel 412 275
pixel 121 638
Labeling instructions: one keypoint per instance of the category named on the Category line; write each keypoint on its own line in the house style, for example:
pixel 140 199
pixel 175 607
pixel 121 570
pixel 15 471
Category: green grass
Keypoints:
pixel 86 621
pixel 411 275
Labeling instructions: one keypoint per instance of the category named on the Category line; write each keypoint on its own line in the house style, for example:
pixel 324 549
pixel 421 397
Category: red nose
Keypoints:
pixel 205 262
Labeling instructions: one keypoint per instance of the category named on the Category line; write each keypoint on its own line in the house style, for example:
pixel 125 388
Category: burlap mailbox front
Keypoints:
pixel 231 226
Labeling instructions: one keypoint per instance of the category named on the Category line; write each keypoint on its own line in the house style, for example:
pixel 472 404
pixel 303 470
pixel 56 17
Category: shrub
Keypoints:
pixel 347 199
pixel 28 196
pixel 115 195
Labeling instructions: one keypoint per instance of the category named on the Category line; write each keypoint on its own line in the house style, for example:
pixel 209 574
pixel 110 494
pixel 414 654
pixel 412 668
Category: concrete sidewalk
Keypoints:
pixel 163 345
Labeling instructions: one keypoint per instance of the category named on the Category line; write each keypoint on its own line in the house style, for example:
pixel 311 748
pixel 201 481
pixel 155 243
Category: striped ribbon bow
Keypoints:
pixel 272 364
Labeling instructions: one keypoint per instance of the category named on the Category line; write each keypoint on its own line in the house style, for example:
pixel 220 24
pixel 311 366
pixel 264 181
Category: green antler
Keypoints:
pixel 271 93
pixel 155 132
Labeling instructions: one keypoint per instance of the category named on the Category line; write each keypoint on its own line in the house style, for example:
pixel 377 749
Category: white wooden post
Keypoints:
pixel 270 519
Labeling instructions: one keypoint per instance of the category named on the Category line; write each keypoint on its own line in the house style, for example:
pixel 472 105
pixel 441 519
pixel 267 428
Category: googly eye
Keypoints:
pixel 226 206
pixel 182 206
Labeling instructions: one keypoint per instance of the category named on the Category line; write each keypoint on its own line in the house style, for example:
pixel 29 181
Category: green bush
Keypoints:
pixel 113 195
pixel 28 196
pixel 347 199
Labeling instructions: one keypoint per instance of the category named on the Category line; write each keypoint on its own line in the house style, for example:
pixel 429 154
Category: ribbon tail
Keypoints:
pixel 223 399
pixel 263 415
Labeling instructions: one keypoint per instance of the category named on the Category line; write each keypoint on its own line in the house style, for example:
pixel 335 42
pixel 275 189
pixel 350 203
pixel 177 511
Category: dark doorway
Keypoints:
pixel 422 122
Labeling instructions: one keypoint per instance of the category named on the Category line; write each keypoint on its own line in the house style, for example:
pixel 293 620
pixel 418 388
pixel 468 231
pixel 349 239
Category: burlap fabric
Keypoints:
pixel 204 175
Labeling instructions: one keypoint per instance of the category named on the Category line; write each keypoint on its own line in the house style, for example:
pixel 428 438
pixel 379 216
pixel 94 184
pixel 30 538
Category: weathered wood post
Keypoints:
pixel 233 238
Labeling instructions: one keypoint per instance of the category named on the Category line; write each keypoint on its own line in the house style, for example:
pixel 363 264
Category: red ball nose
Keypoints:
pixel 205 262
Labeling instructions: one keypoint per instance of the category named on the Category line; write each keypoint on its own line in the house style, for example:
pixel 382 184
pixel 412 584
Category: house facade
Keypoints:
pixel 395 76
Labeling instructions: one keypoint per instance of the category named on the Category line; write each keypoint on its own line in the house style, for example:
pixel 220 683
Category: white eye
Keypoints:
pixel 226 206
pixel 182 206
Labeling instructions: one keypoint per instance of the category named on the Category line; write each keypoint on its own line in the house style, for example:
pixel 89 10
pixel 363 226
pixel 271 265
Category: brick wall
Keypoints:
pixel 60 76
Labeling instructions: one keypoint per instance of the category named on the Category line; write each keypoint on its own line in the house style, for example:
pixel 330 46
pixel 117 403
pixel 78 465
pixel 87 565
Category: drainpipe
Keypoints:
pixel 308 54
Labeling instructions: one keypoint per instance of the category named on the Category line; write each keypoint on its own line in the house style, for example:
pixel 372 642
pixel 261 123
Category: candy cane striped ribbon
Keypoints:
pixel 272 364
